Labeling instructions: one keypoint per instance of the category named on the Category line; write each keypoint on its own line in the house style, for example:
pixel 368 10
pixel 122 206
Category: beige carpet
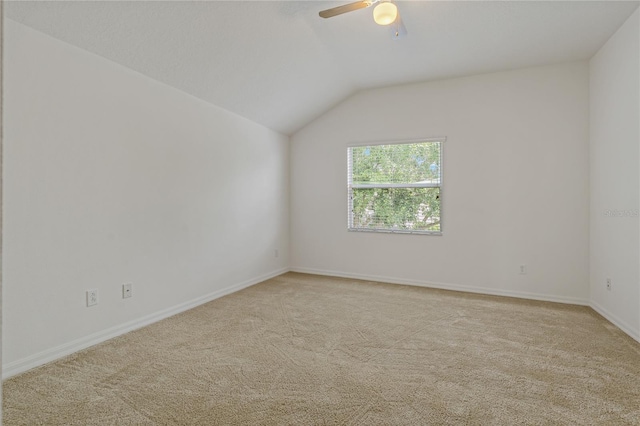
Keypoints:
pixel 302 349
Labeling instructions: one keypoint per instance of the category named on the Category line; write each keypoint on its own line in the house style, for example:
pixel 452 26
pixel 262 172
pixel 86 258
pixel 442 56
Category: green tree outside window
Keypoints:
pixel 396 187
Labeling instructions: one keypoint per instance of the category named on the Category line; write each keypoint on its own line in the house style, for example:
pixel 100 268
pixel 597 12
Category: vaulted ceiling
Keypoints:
pixel 281 65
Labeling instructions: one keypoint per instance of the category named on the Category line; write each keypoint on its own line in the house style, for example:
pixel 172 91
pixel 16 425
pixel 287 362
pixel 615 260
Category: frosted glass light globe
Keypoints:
pixel 385 13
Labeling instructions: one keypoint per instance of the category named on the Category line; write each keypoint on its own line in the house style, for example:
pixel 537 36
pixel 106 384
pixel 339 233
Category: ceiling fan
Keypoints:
pixel 385 13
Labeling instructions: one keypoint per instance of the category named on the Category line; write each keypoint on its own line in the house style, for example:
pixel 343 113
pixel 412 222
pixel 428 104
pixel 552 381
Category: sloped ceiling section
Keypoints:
pixel 280 65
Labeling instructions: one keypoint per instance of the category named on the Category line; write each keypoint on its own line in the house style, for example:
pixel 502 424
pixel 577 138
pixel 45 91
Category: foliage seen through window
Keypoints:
pixel 396 187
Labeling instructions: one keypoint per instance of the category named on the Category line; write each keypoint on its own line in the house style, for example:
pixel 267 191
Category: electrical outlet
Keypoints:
pixel 92 297
pixel 275 253
pixel 523 269
pixel 126 291
pixel 608 284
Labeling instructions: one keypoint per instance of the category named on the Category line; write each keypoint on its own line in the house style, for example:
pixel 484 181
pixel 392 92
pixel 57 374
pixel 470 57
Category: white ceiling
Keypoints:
pixel 279 64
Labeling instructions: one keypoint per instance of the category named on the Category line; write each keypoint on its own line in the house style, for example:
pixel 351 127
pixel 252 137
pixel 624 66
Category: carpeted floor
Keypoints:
pixel 302 349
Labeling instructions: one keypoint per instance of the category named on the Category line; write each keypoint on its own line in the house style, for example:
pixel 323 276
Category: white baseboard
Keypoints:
pixel 622 325
pixel 615 320
pixel 447 286
pixel 22 365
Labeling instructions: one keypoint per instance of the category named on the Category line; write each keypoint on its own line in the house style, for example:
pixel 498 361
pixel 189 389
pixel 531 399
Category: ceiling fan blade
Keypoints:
pixel 398 30
pixel 345 8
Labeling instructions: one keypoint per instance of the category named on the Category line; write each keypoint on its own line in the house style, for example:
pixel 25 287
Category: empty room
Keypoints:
pixel 320 212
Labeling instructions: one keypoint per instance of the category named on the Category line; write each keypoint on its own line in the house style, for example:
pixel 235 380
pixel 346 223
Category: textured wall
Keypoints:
pixel 1 174
pixel 515 184
pixel 111 177
pixel 614 177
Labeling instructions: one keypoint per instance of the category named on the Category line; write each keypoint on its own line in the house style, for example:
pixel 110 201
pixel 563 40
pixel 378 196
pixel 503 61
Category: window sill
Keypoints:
pixel 392 231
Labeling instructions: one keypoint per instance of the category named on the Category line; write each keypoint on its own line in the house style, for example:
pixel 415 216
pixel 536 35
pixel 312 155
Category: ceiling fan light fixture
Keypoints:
pixel 385 13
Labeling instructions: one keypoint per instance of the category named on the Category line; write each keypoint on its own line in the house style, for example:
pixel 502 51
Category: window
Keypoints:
pixel 396 187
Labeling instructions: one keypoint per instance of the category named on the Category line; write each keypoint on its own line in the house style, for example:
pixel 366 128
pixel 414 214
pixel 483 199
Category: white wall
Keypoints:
pixel 111 177
pixel 515 184
pixel 615 177
pixel 1 173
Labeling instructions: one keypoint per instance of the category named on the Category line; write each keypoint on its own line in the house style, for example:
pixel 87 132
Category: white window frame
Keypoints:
pixel 351 186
